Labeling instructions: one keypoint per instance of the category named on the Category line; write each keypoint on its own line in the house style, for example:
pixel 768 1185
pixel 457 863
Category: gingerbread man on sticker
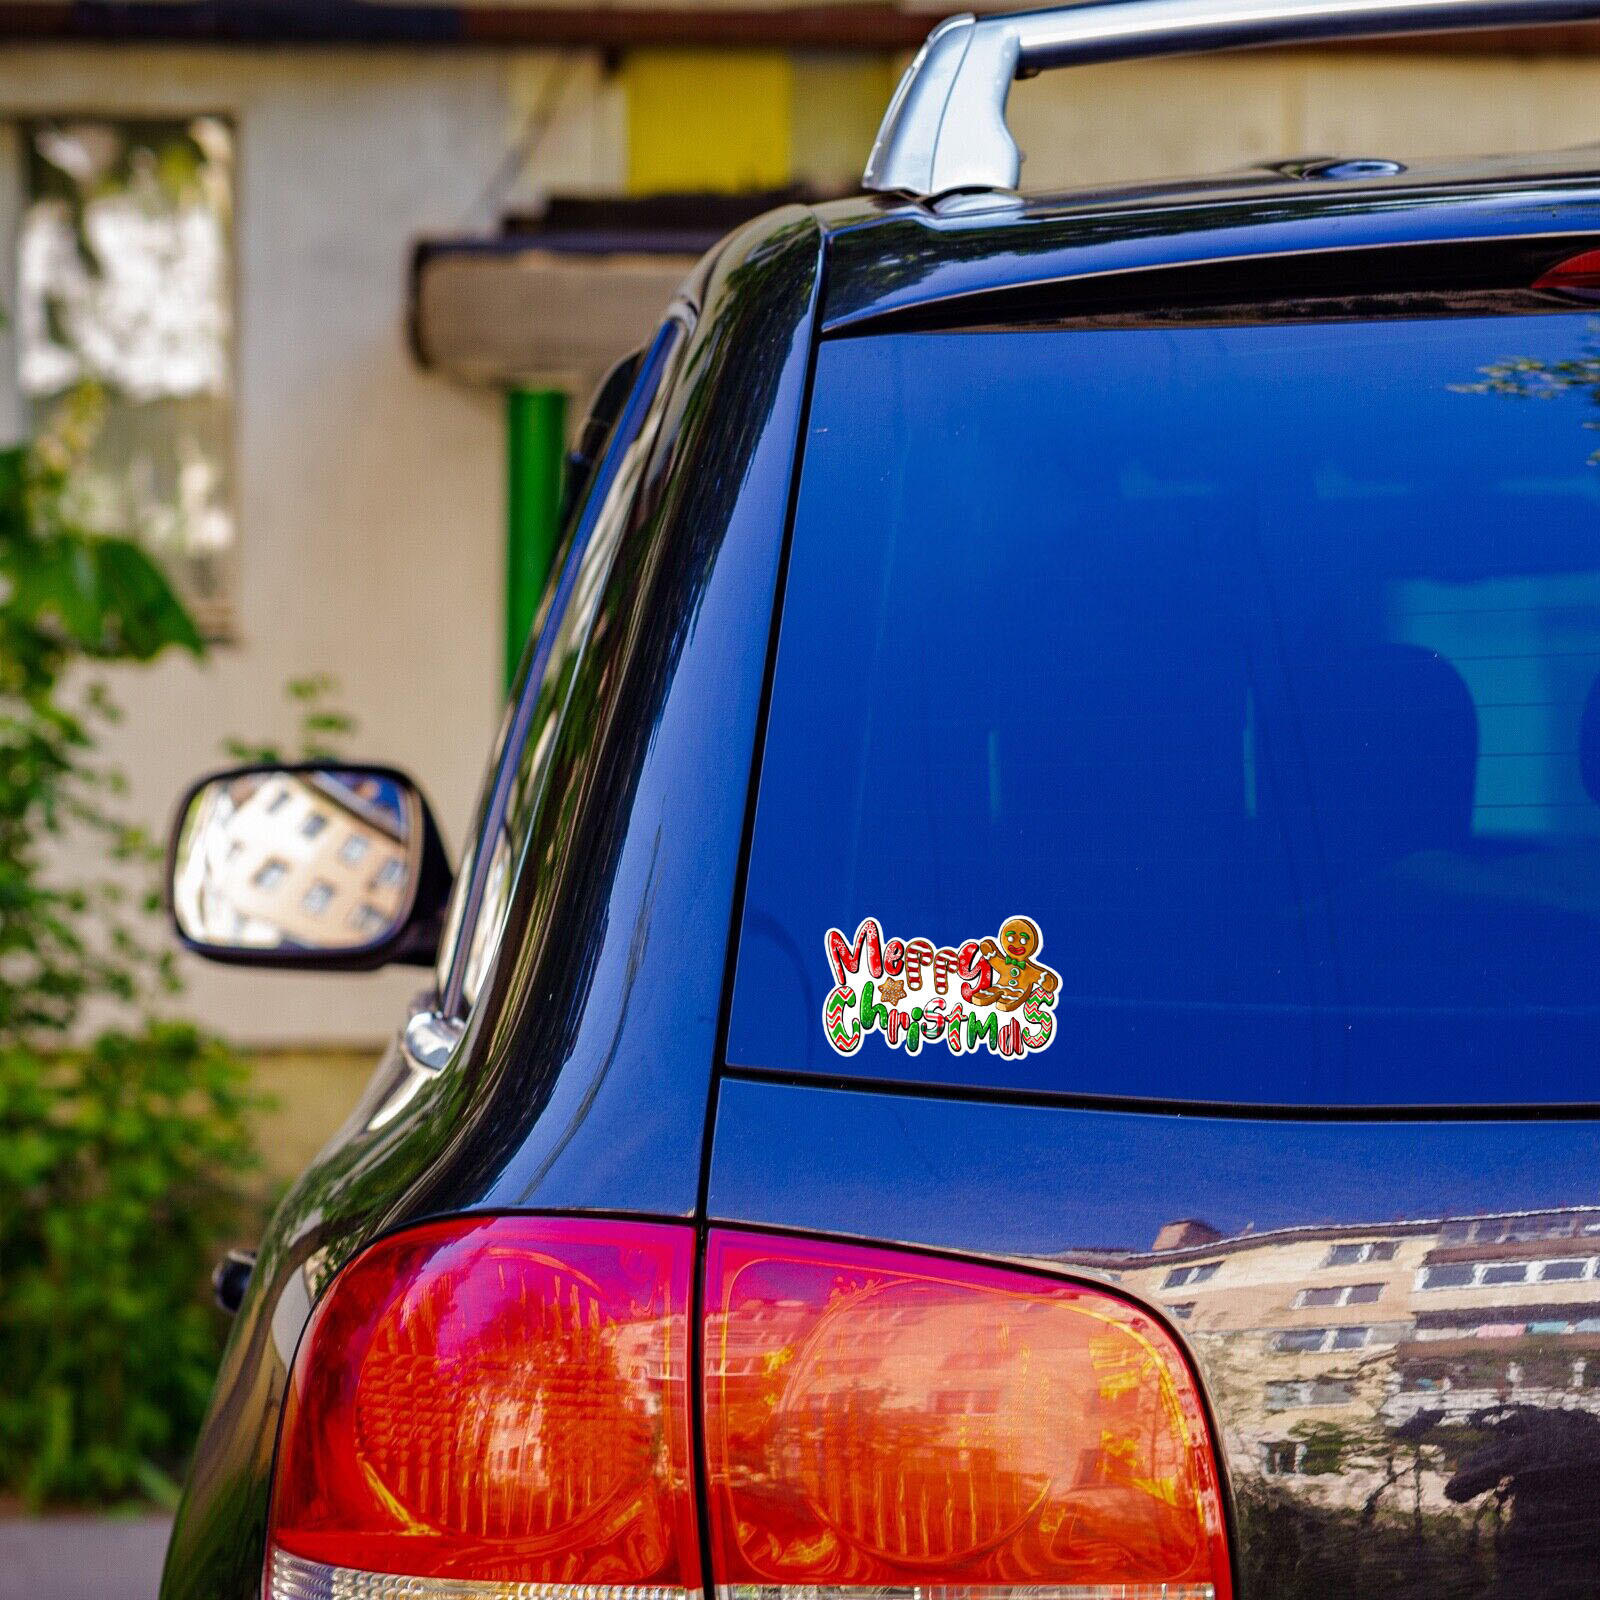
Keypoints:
pixel 1017 974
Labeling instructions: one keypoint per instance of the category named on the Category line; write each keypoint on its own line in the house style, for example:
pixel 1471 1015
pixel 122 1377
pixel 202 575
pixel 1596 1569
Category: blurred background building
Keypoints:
pixel 346 271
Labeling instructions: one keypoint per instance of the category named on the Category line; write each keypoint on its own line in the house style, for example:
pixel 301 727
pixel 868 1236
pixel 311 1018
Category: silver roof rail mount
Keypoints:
pixel 946 129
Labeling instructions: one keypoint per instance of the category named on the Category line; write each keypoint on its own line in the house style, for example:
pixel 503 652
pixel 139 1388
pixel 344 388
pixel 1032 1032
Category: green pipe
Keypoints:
pixel 536 438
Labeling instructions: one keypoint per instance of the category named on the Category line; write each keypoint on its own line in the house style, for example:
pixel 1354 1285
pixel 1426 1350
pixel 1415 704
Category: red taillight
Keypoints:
pixel 502 1401
pixel 1576 275
pixel 499 1410
pixel 877 1418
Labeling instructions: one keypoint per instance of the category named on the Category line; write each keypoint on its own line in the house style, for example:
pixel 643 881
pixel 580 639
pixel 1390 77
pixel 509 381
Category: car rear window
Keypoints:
pixel 1257 667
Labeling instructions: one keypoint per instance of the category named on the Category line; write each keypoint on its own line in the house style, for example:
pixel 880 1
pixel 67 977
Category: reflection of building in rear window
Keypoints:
pixel 353 849
pixel 1500 1274
pixel 1562 1271
pixel 318 897
pixel 270 874
pixel 1347 1294
pixel 1509 1272
pixel 391 874
pixel 1180 1276
pixel 1349 1338
pixel 313 824
pixel 1350 1255
pixel 1340 1295
pixel 1318 1339
pixel 1301 1339
pixel 125 282
pixel 1503 1230
pixel 1309 1392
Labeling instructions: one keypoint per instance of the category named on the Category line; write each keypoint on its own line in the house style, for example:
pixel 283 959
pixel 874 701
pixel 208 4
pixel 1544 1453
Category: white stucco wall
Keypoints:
pixel 370 496
pixel 1181 117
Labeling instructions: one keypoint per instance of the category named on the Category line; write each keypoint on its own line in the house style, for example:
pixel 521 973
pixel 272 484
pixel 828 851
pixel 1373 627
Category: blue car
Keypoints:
pixel 1020 1017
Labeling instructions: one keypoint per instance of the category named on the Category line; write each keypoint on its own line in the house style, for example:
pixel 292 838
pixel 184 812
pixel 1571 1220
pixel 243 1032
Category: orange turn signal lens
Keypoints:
pixel 503 1402
pixel 880 1419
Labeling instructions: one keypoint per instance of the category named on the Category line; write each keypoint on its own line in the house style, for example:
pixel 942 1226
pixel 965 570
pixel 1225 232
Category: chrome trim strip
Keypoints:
pixel 430 1039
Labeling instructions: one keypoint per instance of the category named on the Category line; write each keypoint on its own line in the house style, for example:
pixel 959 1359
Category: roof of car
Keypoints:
pixel 889 256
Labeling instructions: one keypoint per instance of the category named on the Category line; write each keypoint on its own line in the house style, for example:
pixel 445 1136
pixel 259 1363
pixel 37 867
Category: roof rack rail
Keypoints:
pixel 945 129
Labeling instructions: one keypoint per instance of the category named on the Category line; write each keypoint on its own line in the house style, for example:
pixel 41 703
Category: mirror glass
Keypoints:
pixel 297 860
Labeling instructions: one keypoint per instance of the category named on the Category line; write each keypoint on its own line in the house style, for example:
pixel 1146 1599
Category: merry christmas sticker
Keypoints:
pixel 985 994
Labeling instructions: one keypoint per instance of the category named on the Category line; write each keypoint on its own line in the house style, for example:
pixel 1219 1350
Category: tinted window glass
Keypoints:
pixel 1256 665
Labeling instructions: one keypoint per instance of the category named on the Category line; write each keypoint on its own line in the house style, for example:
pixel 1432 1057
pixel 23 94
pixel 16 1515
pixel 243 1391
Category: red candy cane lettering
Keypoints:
pixel 918 953
pixel 845 958
pixel 972 968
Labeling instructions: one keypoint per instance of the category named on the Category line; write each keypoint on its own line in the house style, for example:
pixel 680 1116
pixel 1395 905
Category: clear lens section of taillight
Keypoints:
pixel 290 1578
pixel 881 1421
pixel 499 1407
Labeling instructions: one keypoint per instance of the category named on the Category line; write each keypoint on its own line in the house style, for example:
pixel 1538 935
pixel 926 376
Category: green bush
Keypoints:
pixel 118 1169
pixel 124 1153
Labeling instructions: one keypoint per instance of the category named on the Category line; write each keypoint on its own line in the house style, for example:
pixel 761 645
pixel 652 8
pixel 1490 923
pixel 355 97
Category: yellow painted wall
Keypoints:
pixel 708 119
pixel 310 1093
pixel 726 120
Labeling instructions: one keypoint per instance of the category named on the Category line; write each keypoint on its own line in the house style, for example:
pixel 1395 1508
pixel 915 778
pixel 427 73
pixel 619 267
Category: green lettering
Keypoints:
pixel 872 1016
pixel 984 1030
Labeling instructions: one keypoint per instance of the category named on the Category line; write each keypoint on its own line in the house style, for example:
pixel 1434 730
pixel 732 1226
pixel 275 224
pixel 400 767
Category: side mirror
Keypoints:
pixel 319 865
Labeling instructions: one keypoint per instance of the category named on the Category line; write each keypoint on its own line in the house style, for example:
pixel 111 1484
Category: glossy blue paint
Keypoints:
pixel 914 260
pixel 966 1174
pixel 1394 1320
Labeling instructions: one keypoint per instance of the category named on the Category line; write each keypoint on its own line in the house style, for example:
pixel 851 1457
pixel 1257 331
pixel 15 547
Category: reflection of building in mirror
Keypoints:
pixel 318 860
